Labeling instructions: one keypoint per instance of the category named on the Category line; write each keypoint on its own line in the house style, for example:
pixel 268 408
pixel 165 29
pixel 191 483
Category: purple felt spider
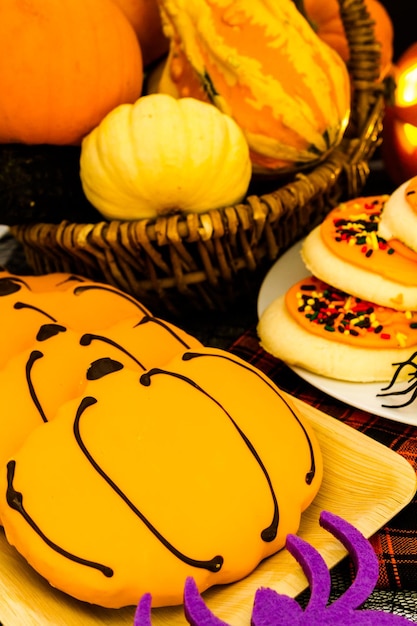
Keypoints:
pixel 274 609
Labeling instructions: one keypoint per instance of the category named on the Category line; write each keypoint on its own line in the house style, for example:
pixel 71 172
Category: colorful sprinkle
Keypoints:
pixel 362 230
pixel 338 312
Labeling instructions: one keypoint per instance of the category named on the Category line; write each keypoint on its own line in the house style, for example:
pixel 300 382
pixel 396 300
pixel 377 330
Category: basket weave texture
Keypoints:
pixel 182 263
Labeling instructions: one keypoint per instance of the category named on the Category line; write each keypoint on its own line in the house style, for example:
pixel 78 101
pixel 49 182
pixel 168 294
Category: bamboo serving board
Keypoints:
pixel 364 482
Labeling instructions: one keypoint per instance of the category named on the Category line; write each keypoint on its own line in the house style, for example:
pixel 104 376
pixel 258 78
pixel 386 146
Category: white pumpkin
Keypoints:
pixel 161 155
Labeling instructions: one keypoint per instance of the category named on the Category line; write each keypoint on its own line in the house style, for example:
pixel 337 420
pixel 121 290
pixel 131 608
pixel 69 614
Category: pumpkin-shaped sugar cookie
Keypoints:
pixel 29 304
pixel 197 467
pixel 20 320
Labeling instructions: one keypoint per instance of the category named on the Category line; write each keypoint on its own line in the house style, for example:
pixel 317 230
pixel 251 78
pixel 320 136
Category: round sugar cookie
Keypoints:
pixel 346 251
pixel 399 217
pixel 200 467
pixel 333 334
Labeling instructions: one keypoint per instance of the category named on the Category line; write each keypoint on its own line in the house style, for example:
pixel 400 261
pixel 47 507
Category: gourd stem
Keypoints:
pixel 301 8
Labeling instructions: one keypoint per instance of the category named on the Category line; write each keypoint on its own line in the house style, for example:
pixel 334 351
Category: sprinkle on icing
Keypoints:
pixel 338 316
pixel 351 232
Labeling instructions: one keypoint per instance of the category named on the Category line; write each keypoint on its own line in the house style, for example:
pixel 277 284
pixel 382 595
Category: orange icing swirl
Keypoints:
pixel 351 232
pixel 338 316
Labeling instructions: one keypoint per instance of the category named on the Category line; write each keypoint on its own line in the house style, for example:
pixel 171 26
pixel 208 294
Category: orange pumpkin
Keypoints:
pixel 324 16
pixel 68 64
pixel 399 148
pixel 146 21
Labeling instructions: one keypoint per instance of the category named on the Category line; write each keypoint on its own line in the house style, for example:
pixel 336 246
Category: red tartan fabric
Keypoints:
pixel 396 543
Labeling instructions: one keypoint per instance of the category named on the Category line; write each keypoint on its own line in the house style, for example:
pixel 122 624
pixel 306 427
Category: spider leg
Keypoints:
pixel 400 366
pixel 400 392
pixel 409 401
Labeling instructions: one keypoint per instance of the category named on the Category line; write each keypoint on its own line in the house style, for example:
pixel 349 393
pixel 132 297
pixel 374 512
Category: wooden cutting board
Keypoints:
pixel 364 482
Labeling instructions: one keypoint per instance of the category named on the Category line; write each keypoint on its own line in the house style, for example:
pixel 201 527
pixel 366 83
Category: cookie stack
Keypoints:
pixel 355 316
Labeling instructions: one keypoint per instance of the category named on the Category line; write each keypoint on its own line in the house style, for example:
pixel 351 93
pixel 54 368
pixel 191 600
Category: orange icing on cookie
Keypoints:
pixel 403 250
pixel 337 316
pixel 411 193
pixel 350 232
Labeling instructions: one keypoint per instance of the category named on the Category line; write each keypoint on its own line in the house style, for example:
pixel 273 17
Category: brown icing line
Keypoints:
pixel 11 284
pixel 24 305
pixel 15 501
pixel 155 320
pixel 80 289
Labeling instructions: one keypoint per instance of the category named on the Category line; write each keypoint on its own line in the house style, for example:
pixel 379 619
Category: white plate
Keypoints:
pixel 284 273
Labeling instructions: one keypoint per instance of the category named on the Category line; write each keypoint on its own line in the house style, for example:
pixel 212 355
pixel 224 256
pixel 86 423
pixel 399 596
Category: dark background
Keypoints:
pixel 405 27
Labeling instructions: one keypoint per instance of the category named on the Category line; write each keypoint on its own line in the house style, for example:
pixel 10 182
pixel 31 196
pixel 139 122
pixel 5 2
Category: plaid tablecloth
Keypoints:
pixel 396 543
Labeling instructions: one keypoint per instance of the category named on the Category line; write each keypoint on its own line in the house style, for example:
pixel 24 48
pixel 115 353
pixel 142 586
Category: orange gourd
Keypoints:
pixel 146 20
pixel 65 65
pixel 324 15
pixel 262 64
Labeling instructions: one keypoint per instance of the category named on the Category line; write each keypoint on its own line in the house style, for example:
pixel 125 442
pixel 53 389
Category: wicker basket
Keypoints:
pixel 178 264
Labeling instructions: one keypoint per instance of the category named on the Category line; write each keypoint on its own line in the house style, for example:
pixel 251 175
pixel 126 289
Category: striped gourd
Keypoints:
pixel 260 62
